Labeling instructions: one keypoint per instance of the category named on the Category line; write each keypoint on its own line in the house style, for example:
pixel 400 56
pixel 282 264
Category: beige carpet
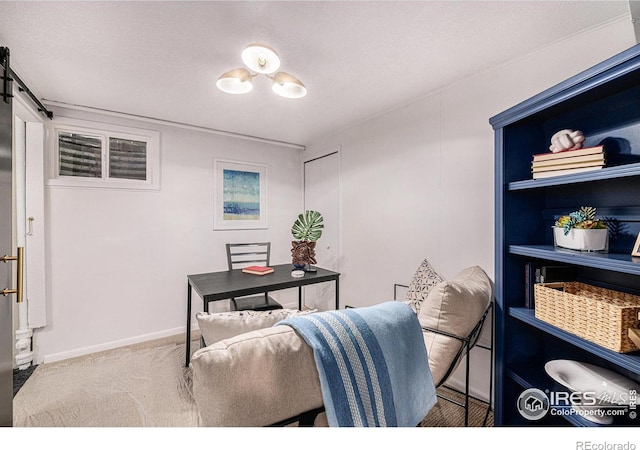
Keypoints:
pixel 447 414
pixel 142 385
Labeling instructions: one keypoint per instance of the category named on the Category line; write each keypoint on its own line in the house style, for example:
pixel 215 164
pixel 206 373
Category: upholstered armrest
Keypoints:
pixel 255 379
pixel 218 326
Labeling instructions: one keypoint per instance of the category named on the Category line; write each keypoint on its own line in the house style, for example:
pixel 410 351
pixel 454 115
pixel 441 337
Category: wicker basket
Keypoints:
pixel 599 315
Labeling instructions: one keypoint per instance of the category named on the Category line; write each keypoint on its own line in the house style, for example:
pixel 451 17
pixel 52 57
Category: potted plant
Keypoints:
pixel 307 229
pixel 581 230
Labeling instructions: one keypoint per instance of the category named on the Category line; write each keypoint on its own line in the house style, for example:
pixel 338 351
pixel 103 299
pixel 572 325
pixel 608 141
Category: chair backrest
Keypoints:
pixel 452 316
pixel 466 344
pixel 248 254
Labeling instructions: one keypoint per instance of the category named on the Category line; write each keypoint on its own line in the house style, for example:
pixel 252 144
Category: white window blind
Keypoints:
pixel 127 159
pixel 80 155
pixel 87 154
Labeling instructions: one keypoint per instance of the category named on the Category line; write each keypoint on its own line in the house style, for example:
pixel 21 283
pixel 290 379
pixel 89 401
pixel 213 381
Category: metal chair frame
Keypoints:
pixel 252 253
pixel 467 343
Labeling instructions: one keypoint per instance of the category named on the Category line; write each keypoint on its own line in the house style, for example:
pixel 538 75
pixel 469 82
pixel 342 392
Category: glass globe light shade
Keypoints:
pixel 236 81
pixel 288 86
pixel 260 58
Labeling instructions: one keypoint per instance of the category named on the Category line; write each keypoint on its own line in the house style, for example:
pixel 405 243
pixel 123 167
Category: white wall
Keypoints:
pixel 417 182
pixel 118 259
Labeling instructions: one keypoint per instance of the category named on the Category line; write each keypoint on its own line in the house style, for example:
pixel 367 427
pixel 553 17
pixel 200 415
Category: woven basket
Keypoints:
pixel 599 315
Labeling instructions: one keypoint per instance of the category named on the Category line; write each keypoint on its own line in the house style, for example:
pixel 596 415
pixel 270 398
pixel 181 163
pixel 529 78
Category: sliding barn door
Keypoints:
pixel 6 248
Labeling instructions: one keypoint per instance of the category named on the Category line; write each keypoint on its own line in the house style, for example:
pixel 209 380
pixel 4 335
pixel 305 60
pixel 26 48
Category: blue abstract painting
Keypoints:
pixel 241 195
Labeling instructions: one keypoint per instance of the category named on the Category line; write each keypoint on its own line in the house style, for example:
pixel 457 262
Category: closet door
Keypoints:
pixel 322 193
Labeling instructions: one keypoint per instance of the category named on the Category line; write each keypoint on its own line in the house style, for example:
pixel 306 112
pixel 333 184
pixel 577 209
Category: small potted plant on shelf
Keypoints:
pixel 307 229
pixel 581 230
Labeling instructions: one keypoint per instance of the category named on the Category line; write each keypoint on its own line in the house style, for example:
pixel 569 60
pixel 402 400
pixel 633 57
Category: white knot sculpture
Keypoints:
pixel 565 140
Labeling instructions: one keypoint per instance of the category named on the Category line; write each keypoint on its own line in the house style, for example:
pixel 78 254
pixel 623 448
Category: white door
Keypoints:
pixel 29 200
pixel 322 193
pixel 34 225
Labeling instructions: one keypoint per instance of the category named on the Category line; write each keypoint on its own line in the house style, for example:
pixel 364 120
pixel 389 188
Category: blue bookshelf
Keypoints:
pixel 604 103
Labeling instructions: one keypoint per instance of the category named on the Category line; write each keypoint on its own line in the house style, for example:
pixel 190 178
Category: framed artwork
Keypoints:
pixel 240 195
pixel 636 247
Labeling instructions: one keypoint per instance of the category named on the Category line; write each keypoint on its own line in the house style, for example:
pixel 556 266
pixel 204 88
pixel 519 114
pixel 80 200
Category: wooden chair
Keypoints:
pixel 251 254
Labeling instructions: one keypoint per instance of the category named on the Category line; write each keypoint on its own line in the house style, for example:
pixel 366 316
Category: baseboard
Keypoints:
pixel 53 357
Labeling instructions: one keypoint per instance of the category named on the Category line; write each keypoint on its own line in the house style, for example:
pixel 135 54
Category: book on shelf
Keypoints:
pixel 258 270
pixel 597 150
pixel 568 166
pixel 530 271
pixel 553 274
pixel 555 173
pixel 536 273
pixel 569 163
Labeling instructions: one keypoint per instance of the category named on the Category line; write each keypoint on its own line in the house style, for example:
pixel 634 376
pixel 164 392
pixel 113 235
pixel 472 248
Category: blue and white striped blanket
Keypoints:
pixel 372 363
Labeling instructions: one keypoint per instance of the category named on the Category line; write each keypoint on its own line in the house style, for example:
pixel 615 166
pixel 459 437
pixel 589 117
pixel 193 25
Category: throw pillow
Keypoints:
pixel 218 326
pixel 454 306
pixel 423 281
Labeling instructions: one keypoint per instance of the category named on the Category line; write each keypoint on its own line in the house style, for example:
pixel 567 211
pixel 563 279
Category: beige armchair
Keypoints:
pixel 453 314
pixel 268 376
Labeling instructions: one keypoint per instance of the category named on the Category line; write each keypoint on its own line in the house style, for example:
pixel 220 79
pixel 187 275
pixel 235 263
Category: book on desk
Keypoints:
pixel 258 270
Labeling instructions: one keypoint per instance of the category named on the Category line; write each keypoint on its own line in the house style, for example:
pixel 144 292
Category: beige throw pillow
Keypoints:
pixel 454 306
pixel 218 326
pixel 421 284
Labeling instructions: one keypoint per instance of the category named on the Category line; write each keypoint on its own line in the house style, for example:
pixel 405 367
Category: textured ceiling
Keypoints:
pixel 161 59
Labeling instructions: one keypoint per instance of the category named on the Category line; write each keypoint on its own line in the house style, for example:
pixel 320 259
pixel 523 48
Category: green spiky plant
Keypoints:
pixel 584 218
pixel 307 229
pixel 308 226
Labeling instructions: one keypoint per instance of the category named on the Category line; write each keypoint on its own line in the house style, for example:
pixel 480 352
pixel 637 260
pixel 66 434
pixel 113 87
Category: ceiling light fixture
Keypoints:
pixel 261 60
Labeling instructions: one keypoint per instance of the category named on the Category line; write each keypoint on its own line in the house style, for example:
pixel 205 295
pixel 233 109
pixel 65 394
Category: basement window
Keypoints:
pixel 96 155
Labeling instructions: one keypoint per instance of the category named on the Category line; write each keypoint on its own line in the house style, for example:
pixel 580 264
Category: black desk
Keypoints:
pixel 234 283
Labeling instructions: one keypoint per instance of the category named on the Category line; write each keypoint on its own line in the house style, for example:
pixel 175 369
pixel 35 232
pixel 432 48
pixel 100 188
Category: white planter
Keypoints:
pixel 582 239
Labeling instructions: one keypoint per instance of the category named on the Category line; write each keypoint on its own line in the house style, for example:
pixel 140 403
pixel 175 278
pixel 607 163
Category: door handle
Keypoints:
pixel 20 259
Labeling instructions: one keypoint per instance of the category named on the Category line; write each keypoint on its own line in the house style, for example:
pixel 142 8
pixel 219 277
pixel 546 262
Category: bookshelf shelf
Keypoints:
pixel 604 103
pixel 629 361
pixel 606 173
pixel 617 262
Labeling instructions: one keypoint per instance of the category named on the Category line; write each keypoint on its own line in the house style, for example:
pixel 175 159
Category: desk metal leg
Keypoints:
pixel 205 308
pixel 299 298
pixel 337 295
pixel 188 346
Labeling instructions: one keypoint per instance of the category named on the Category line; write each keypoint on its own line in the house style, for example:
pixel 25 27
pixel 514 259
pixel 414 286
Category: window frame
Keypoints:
pixel 104 132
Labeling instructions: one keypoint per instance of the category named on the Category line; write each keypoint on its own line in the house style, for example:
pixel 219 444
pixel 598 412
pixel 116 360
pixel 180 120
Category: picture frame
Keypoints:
pixel 240 195
pixel 636 247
